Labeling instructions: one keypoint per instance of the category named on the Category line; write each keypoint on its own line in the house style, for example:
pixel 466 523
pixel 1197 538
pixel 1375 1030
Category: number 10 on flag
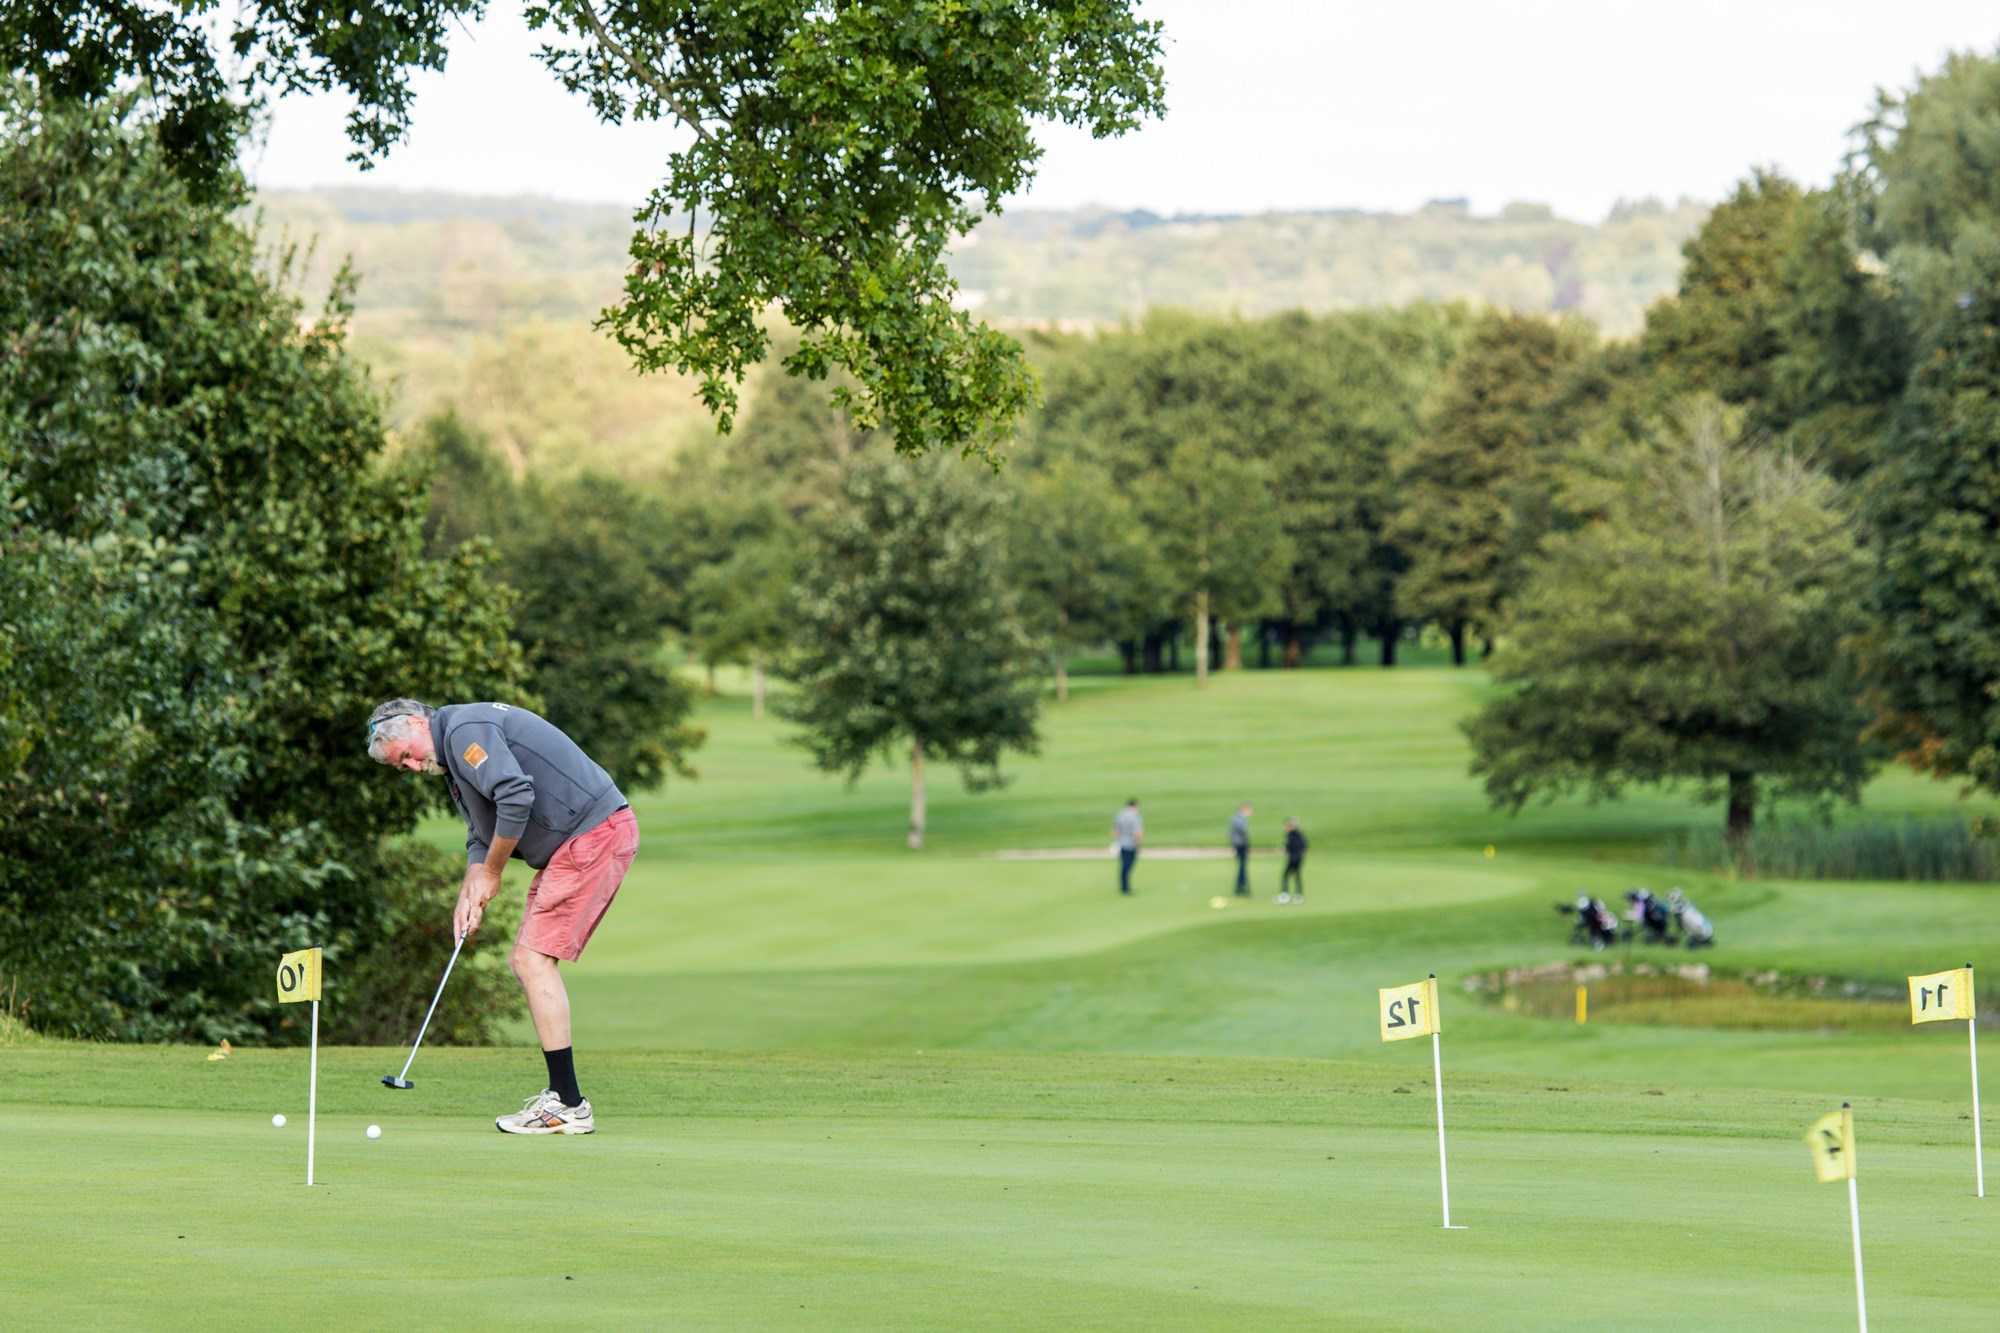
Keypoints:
pixel 1412 1011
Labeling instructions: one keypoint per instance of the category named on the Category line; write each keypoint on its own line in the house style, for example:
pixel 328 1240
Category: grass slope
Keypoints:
pixel 847 1086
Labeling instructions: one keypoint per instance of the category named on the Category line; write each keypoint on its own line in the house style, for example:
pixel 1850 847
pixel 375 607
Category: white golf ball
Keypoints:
pixel 278 1121
pixel 374 1131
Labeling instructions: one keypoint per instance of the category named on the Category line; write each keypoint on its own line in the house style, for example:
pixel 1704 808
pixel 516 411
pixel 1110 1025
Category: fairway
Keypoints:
pixel 842 1085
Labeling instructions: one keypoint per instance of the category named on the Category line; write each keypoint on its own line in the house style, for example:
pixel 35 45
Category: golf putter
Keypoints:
pixel 402 1081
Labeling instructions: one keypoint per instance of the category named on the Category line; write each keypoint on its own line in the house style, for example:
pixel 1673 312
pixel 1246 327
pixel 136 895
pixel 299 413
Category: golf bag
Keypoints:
pixel 1594 926
pixel 1649 913
pixel 1697 931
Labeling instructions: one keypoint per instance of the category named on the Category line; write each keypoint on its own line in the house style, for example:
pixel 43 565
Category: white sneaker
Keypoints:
pixel 544 1113
pixel 1284 897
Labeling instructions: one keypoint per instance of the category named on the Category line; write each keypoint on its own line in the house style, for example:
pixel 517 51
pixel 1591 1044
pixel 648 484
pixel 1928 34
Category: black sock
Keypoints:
pixel 562 1075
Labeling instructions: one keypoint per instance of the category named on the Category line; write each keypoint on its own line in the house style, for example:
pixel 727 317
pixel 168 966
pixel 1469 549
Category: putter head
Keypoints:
pixel 391 1081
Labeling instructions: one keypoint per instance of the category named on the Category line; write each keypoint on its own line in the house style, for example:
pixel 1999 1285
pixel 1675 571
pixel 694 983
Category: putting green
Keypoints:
pixel 847 1086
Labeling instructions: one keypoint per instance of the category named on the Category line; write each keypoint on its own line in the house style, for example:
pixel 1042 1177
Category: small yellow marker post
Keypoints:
pixel 1831 1140
pixel 1412 1011
pixel 1583 1004
pixel 1938 997
pixel 298 980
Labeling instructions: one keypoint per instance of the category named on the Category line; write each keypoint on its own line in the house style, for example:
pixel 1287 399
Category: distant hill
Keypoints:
pixel 485 302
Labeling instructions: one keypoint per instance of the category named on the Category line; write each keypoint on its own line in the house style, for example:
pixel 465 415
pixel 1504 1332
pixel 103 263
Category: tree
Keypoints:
pixel 835 151
pixel 1934 502
pixel 1925 201
pixel 1472 482
pixel 1691 632
pixel 1722 332
pixel 907 630
pixel 1079 561
pixel 740 606
pixel 208 580
pixel 1219 549
pixel 595 567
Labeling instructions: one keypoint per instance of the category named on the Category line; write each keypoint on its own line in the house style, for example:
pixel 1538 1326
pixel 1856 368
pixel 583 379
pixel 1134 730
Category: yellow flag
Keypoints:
pixel 1410 1011
pixel 1937 996
pixel 298 976
pixel 1831 1139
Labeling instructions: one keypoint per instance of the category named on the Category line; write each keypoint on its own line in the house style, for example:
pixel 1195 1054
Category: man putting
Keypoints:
pixel 525 790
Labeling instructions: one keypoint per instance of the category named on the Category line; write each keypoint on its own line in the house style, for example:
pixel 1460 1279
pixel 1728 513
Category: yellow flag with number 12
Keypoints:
pixel 1410 1011
pixel 298 976
pixel 1937 996
pixel 1831 1139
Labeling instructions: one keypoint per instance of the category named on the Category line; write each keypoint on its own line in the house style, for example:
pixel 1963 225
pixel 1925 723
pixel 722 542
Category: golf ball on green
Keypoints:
pixel 278 1121
pixel 374 1131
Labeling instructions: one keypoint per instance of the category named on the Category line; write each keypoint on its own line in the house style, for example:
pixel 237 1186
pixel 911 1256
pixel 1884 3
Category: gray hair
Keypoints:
pixel 396 720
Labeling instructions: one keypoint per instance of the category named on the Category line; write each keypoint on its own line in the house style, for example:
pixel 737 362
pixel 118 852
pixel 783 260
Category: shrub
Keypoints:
pixel 376 994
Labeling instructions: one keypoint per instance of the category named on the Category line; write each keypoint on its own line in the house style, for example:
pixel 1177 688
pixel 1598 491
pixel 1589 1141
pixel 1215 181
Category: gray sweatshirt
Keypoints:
pixel 513 774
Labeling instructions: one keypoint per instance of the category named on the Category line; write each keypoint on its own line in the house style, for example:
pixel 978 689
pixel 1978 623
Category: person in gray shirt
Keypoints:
pixel 527 792
pixel 1239 842
pixel 1127 832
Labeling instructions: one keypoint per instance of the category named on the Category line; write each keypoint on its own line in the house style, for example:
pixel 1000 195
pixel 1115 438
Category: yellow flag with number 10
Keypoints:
pixel 298 976
pixel 1831 1139
pixel 1937 996
pixel 1410 1011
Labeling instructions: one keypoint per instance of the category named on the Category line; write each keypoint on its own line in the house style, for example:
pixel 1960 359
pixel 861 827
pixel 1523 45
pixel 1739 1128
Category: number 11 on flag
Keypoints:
pixel 1412 1011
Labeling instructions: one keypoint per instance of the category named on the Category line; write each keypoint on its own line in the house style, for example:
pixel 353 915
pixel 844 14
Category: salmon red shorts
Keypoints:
pixel 569 895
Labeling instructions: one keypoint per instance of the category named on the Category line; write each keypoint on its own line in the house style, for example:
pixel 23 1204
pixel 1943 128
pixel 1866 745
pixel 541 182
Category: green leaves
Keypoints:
pixel 209 579
pixel 905 627
pixel 836 151
pixel 1691 632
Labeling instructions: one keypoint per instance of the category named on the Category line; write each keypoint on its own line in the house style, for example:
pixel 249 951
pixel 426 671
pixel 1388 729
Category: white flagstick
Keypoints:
pixel 1854 1217
pixel 312 1096
pixel 1437 1080
pixel 1978 1157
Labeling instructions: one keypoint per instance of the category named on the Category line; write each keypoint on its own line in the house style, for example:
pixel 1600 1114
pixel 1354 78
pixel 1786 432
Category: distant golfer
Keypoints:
pixel 1127 832
pixel 1239 842
pixel 526 791
pixel 1295 862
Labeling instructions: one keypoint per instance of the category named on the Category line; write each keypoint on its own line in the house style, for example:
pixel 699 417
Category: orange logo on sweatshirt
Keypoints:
pixel 474 756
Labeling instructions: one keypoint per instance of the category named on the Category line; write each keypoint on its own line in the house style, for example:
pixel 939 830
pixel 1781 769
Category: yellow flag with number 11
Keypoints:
pixel 1410 1011
pixel 1937 996
pixel 298 976
pixel 1831 1139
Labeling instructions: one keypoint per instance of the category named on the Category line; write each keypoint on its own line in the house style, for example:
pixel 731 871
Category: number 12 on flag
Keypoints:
pixel 1410 1011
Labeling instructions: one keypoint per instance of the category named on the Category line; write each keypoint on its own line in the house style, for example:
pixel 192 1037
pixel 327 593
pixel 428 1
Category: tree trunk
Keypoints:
pixel 1264 647
pixel 1174 649
pixel 1458 643
pixel 1232 652
pixel 1129 650
pixel 757 687
pixel 917 794
pixel 1295 652
pixel 1201 638
pixel 1391 632
pixel 1062 681
pixel 1349 637
pixel 1485 646
pixel 1742 811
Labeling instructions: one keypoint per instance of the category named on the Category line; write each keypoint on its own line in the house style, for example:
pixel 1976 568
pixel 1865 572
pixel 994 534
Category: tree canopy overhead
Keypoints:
pixel 834 151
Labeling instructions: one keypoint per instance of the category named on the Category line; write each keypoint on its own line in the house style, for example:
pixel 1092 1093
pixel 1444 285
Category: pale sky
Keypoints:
pixel 1297 104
